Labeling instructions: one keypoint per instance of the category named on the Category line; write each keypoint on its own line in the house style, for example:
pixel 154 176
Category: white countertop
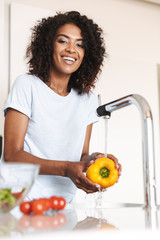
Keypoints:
pixel 114 219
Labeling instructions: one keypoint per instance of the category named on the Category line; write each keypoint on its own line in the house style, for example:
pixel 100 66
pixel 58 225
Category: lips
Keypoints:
pixel 70 59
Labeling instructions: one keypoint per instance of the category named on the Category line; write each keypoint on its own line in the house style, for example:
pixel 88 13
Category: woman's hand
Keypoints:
pixel 75 172
pixel 96 155
pixel 117 164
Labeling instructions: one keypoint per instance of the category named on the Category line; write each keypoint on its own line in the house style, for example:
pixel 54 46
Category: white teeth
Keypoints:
pixel 69 59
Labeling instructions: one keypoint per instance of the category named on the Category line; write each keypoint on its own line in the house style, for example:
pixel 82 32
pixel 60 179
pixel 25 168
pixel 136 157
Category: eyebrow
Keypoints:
pixel 63 35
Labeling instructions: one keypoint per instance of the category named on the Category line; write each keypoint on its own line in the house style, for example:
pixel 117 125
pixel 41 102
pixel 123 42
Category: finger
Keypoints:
pixel 117 164
pixel 100 155
pixel 86 165
pixel 96 155
pixel 120 169
pixel 115 160
pixel 90 163
pixel 88 184
pixel 112 157
pixel 86 189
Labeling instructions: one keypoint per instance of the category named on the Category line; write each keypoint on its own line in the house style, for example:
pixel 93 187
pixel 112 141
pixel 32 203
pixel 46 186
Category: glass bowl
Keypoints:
pixel 16 180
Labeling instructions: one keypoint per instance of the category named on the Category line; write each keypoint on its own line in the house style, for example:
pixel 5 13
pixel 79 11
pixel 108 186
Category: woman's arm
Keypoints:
pixel 16 125
pixel 85 153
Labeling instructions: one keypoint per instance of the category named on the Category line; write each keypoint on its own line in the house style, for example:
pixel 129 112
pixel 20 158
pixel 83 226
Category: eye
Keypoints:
pixel 80 45
pixel 62 41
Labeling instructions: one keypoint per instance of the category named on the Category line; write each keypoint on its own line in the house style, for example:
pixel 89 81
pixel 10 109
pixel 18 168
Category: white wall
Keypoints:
pixel 132 34
pixel 22 30
pixel 3 93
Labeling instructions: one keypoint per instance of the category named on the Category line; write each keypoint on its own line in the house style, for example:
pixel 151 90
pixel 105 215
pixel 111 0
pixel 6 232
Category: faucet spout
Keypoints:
pixel 149 177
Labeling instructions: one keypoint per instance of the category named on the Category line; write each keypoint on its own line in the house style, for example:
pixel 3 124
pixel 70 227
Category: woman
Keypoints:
pixel 50 111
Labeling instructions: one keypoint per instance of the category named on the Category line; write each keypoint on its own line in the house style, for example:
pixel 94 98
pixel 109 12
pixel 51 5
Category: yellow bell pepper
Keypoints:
pixel 103 172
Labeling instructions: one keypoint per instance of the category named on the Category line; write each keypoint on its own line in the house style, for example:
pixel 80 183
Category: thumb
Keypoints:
pixel 90 163
pixel 87 164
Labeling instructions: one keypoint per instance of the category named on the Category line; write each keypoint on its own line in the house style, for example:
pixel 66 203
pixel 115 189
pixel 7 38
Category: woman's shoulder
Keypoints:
pixel 25 80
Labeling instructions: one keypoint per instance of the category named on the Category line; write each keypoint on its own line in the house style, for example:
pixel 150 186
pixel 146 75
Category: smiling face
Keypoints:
pixel 68 49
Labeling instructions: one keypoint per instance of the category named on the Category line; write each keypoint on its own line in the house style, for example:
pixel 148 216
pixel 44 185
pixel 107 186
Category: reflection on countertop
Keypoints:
pixel 10 225
pixel 92 223
pixel 65 220
pixel 77 217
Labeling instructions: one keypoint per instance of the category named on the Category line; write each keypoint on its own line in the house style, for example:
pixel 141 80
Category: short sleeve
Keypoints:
pixel 92 106
pixel 20 96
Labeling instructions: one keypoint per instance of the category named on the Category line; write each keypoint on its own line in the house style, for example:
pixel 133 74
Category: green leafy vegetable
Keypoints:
pixel 7 199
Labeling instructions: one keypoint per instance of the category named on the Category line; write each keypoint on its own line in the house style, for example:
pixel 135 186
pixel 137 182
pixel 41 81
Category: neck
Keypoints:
pixel 59 84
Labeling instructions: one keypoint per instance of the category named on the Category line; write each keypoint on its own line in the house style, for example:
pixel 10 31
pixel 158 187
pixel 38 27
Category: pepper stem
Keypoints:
pixel 104 172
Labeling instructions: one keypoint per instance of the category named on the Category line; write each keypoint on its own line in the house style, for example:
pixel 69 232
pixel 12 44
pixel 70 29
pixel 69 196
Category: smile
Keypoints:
pixel 69 59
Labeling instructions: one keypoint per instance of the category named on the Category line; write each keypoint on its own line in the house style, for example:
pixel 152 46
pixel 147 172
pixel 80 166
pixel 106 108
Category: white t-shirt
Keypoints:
pixel 56 128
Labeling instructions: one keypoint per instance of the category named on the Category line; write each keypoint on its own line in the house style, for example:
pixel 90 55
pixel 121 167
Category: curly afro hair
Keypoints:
pixel 40 50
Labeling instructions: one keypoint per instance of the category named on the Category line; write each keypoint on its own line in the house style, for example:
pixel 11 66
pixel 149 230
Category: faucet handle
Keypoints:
pixel 101 111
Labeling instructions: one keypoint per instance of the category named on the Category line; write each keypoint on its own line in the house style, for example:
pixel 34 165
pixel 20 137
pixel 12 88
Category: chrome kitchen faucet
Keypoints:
pixel 149 176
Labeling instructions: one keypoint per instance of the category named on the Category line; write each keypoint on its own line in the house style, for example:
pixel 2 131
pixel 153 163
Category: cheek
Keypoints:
pixel 82 54
pixel 57 49
pixel 55 54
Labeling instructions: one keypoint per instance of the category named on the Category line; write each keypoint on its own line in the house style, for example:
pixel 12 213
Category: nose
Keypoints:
pixel 70 47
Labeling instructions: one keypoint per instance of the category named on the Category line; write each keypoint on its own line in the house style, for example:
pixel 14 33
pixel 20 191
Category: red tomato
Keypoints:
pixel 54 202
pixel 38 206
pixel 47 203
pixel 61 203
pixel 25 207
